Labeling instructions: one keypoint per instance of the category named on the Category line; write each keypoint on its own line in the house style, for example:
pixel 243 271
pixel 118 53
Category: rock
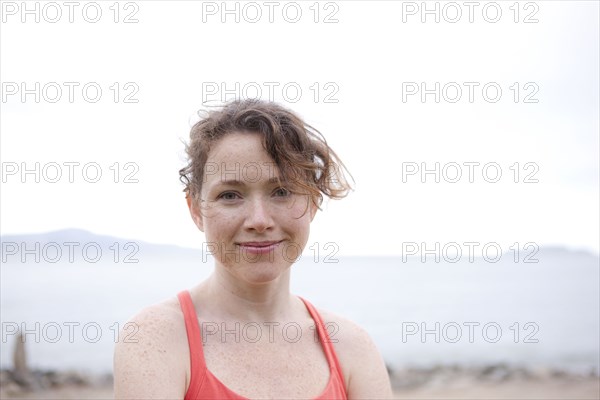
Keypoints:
pixel 12 389
pixel 21 374
pixel 495 373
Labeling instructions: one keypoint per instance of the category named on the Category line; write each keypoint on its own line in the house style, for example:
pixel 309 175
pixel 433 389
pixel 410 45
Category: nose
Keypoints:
pixel 258 216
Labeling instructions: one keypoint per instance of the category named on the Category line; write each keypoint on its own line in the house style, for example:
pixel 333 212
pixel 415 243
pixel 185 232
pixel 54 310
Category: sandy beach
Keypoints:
pixel 585 389
pixel 442 382
pixel 494 382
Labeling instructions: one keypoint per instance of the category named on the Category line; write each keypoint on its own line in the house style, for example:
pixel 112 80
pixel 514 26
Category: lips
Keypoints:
pixel 259 247
pixel 259 244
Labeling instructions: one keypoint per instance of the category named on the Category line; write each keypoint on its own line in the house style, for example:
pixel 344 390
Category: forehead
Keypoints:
pixel 238 146
pixel 239 156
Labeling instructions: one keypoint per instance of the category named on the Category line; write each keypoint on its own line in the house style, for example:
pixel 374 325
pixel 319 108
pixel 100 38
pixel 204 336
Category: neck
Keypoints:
pixel 228 297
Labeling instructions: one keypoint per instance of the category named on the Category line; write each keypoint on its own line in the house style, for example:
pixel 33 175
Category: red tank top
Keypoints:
pixel 204 385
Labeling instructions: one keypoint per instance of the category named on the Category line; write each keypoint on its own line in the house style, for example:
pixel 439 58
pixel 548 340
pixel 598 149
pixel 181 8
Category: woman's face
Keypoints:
pixel 254 226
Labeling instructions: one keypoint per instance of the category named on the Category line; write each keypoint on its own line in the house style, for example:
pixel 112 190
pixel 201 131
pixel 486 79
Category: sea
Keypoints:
pixel 420 313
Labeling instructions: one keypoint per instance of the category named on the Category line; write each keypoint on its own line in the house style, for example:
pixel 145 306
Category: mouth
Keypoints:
pixel 259 247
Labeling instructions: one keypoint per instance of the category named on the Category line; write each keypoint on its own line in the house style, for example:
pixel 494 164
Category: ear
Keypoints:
pixel 195 211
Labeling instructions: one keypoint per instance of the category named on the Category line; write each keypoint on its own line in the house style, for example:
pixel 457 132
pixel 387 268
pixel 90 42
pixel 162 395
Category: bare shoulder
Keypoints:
pixel 148 355
pixel 364 369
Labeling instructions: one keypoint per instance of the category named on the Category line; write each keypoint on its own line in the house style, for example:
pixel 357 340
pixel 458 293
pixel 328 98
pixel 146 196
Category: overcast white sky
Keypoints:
pixel 368 61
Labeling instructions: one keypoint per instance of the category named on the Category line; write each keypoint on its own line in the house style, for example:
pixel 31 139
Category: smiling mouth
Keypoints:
pixel 260 244
pixel 259 247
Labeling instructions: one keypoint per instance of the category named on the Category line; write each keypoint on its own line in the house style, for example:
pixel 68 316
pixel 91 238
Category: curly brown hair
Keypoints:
pixel 301 154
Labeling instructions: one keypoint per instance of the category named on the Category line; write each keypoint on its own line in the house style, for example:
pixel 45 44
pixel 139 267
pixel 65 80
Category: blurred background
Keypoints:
pixel 468 250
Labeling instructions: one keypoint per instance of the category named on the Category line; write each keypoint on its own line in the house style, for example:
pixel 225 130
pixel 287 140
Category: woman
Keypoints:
pixel 255 179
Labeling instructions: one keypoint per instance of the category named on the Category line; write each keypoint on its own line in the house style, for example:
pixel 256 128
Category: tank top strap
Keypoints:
pixel 332 359
pixel 194 336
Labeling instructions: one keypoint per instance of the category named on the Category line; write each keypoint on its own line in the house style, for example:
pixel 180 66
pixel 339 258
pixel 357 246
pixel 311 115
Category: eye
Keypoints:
pixel 228 196
pixel 282 192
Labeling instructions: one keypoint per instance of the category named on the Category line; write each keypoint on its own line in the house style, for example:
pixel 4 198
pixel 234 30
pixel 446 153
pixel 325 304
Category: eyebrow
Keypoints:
pixel 236 182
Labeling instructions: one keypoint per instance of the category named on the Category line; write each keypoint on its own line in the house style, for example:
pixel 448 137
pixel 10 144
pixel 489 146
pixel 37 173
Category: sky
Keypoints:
pixel 501 98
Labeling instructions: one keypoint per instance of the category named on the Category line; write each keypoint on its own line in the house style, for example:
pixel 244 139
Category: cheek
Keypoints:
pixel 300 210
pixel 219 229
pixel 299 229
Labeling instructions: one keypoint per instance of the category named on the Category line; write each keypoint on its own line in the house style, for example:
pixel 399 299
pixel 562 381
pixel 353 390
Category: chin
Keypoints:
pixel 261 272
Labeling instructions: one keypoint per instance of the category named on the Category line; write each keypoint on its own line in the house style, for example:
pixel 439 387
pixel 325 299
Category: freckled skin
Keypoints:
pixel 261 221
pixel 156 365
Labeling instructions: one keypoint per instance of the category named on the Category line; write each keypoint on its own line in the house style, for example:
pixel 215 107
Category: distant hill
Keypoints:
pixel 167 251
pixel 82 237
